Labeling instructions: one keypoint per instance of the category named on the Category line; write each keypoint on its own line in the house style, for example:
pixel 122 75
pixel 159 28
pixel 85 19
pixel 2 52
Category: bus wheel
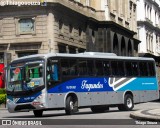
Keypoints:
pixel 71 106
pixel 38 113
pixel 99 109
pixel 128 103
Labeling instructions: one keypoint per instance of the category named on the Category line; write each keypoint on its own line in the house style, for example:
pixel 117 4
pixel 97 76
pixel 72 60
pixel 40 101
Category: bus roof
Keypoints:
pixel 84 55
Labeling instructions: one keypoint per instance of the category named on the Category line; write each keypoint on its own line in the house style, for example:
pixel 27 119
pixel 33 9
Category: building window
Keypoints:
pixel 158 20
pixel 157 45
pixel 1 58
pixel 71 32
pixel 60 27
pixel 21 54
pixel 62 49
pixel 77 0
pixel 80 33
pixel 147 41
pixel 151 43
pixel 93 36
pixel 150 14
pixel 87 2
pixel 26 25
pixel 1 26
pixel 155 17
pixel 145 8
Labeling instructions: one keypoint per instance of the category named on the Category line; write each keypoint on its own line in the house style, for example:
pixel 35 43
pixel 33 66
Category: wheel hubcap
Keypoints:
pixel 71 105
pixel 129 102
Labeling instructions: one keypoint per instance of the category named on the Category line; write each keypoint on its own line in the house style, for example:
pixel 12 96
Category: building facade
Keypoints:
pixel 148 20
pixel 68 26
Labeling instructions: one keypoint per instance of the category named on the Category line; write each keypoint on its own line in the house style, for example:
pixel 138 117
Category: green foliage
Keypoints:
pixel 2 98
pixel 2 91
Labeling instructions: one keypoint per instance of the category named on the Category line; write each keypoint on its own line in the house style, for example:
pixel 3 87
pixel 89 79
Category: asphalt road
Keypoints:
pixel 84 117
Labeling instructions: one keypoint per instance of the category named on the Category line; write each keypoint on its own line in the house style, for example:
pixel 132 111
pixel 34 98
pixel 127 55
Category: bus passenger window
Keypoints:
pixel 65 67
pixel 120 68
pixel 90 67
pixel 82 67
pixel 73 67
pixel 114 68
pixel 135 68
pixel 106 66
pixel 69 67
pixel 151 68
pixel 128 66
pixel 99 68
pixel 52 70
pixel 143 69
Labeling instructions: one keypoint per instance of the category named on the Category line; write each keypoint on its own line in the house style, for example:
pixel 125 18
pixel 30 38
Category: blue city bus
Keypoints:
pixel 57 81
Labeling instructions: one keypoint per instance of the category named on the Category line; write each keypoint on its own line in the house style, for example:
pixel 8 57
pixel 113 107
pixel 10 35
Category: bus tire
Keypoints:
pixel 38 113
pixel 128 103
pixel 99 109
pixel 70 105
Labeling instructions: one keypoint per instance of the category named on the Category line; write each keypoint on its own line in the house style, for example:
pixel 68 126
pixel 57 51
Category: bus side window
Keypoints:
pixel 52 71
pixel 143 69
pixel 120 68
pixel 69 67
pixel 65 67
pixel 99 67
pixel 90 67
pixel 114 68
pixel 135 68
pixel 151 68
pixel 73 69
pixel 106 66
pixel 128 67
pixel 82 67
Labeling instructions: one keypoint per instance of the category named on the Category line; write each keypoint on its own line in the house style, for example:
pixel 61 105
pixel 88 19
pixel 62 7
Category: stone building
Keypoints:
pixel 68 26
pixel 148 21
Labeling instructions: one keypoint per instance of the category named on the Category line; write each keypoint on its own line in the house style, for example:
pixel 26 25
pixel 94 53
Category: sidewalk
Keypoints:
pixel 3 107
pixel 151 114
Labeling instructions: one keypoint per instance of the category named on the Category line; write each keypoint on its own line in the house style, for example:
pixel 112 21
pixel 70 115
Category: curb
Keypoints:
pixel 148 116
pixel 3 108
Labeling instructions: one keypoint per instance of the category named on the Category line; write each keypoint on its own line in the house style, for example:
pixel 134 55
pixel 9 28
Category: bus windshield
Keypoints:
pixel 26 76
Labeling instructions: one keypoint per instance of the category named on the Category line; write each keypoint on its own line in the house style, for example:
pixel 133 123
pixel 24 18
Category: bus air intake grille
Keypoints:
pixel 24 107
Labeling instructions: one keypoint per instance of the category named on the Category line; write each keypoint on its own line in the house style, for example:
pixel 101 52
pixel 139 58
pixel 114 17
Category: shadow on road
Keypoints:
pixel 63 114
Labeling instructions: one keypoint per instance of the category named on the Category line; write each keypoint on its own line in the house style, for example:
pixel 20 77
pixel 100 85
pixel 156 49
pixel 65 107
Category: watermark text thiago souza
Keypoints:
pixel 21 3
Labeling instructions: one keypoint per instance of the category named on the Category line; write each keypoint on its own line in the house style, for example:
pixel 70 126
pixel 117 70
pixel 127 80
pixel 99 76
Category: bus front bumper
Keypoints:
pixel 24 107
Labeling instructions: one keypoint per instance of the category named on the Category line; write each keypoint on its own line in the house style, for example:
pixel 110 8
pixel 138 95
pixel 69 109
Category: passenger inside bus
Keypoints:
pixel 52 72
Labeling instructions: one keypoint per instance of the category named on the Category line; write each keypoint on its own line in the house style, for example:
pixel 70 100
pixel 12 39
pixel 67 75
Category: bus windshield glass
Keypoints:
pixel 25 76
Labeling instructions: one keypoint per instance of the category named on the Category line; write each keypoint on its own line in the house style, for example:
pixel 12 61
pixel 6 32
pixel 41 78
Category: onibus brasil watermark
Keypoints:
pixel 22 3
pixel 21 122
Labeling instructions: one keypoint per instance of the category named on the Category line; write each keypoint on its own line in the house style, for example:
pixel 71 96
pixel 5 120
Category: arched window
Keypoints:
pixel 123 47
pixel 115 44
pixel 129 48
